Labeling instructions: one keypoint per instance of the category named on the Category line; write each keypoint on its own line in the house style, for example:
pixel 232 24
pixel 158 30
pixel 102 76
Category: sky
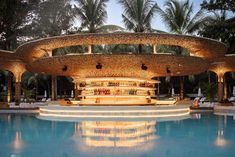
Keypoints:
pixel 115 10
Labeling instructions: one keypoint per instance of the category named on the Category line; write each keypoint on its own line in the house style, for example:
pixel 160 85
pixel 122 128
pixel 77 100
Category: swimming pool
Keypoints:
pixel 204 135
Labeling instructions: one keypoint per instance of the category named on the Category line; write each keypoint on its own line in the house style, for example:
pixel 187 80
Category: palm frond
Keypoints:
pixel 92 13
pixel 138 14
pixel 177 16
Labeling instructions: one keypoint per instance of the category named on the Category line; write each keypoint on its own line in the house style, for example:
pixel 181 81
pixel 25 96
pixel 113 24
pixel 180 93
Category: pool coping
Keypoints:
pixel 19 110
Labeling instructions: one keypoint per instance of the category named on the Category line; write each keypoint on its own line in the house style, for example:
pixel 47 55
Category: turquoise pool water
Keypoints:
pixel 203 135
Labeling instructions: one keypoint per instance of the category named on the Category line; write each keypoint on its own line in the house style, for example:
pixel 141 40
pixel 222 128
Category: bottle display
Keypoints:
pixel 117 91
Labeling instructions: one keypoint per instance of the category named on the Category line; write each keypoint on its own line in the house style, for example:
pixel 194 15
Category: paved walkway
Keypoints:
pixel 185 102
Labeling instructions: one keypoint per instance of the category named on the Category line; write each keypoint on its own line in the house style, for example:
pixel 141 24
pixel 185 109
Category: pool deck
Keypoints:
pixel 4 108
pixel 221 109
pixel 225 110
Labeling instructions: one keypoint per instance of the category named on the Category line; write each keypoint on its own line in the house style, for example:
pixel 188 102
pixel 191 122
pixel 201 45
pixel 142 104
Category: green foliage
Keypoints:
pixel 172 50
pixel 70 50
pixel 209 90
pixel 14 16
pixel 219 5
pixel 220 26
pixel 179 19
pixel 3 95
pixel 91 13
pixel 35 79
pixel 53 18
pixel 28 94
pixel 121 49
pixel 138 14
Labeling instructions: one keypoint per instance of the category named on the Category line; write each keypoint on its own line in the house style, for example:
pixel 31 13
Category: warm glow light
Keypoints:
pixel 116 134
pixel 118 96
pixel 118 79
pixel 120 143
pixel 137 133
pixel 17 143
pixel 119 87
pixel 220 140
pixel 126 125
pixel 114 111
pixel 113 116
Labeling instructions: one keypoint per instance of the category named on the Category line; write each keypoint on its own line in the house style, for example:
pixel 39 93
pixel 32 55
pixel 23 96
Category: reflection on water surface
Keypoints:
pixel 202 135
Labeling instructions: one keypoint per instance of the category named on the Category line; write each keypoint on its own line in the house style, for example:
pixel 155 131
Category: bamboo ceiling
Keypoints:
pixel 208 54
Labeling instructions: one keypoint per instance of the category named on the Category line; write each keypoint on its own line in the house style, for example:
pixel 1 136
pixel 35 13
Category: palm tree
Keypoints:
pixel 138 14
pixel 36 80
pixel 219 27
pixel 178 18
pixel 92 14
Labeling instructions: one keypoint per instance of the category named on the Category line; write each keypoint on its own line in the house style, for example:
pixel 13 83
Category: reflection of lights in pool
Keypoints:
pixel 18 143
pixel 115 137
pixel 220 140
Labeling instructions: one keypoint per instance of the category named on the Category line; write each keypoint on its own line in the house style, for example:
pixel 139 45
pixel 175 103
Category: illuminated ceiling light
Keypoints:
pixel 65 68
pixel 168 71
pixel 98 66
pixel 144 67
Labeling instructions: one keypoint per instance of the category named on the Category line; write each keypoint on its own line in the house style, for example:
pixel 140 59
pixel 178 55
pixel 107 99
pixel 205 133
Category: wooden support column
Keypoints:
pixel 181 87
pixel 76 90
pixel 17 92
pixel 49 52
pixel 9 79
pixel 18 76
pixel 154 49
pixel 53 87
pixel 89 49
pixel 225 97
pixel 220 86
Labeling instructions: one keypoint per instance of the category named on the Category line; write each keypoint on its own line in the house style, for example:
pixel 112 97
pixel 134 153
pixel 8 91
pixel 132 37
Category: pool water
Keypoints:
pixel 204 135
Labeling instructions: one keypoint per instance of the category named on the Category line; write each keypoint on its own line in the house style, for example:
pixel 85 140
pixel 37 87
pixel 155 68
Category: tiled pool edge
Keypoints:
pixel 19 110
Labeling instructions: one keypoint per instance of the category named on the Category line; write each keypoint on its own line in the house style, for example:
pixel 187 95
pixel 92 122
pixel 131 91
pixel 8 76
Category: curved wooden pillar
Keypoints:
pixel 76 90
pixel 154 49
pixel 225 90
pixel 220 86
pixel 49 52
pixel 9 80
pixel 18 76
pixel 89 49
pixel 17 92
pixel 53 87
pixel 181 87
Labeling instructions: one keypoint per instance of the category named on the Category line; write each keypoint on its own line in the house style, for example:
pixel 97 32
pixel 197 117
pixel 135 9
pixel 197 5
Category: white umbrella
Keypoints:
pixel 172 92
pixel 45 94
pixel 72 95
pixel 233 90
pixel 199 93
